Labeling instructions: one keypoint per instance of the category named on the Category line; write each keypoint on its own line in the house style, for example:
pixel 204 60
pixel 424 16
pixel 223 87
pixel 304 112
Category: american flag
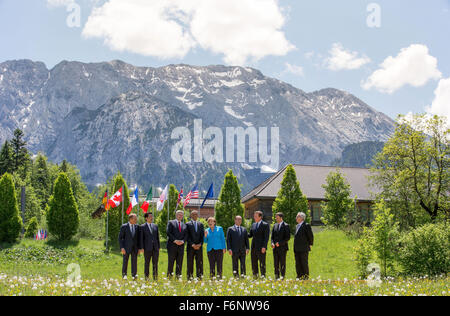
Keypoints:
pixel 193 194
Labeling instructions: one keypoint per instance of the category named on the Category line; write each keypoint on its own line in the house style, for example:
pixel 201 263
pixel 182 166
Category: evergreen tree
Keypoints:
pixel 115 214
pixel 161 219
pixel 62 211
pixel 41 180
pixel 229 205
pixel 20 151
pixel 64 166
pixel 290 199
pixel 10 221
pixel 6 159
pixel 338 205
pixel 32 227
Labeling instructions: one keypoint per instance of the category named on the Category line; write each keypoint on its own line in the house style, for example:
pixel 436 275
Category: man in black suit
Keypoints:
pixel 280 238
pixel 303 241
pixel 176 238
pixel 238 246
pixel 149 245
pixel 260 233
pixel 129 242
pixel 195 235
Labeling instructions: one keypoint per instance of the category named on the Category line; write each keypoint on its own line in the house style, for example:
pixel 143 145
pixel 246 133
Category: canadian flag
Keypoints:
pixel 162 199
pixel 134 201
pixel 116 199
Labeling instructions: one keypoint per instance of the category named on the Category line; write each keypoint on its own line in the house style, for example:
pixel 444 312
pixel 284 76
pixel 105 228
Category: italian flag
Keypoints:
pixel 148 199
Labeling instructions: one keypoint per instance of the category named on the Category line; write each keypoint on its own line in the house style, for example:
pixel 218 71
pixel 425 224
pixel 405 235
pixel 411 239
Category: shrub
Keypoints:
pixel 426 250
pixel 62 212
pixel 363 254
pixel 10 221
pixel 32 228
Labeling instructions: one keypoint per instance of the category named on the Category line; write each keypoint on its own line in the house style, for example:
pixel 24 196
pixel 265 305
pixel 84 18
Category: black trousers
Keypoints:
pixel 126 258
pixel 258 262
pixel 151 256
pixel 176 254
pixel 238 259
pixel 215 258
pixel 196 255
pixel 279 261
pixel 301 265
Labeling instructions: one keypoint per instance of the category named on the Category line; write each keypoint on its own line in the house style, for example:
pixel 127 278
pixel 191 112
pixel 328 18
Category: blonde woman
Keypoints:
pixel 216 248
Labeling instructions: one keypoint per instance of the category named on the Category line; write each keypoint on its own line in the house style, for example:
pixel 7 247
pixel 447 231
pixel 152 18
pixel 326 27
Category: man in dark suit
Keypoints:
pixel 303 241
pixel 129 242
pixel 238 246
pixel 280 238
pixel 176 238
pixel 149 245
pixel 260 233
pixel 195 235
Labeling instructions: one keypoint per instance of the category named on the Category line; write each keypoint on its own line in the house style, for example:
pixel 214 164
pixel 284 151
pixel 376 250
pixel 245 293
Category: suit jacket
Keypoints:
pixel 237 242
pixel 126 240
pixel 173 232
pixel 281 234
pixel 304 238
pixel 149 240
pixel 195 238
pixel 260 235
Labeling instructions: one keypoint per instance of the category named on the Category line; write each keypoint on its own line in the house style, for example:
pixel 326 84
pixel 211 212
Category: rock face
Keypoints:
pixel 112 116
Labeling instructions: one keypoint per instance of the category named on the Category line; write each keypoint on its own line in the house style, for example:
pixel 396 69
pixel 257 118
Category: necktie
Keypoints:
pixel 179 226
pixel 150 228
pixel 195 226
pixel 132 230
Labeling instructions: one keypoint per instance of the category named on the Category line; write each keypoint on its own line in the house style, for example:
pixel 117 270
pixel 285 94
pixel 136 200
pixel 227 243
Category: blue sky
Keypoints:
pixel 310 44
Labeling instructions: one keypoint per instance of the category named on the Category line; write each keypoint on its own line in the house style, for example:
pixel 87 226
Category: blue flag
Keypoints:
pixel 209 195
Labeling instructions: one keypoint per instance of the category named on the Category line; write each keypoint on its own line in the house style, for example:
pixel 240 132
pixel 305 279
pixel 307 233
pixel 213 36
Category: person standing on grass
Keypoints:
pixel 238 246
pixel 129 242
pixel 176 238
pixel 215 239
pixel 149 245
pixel 195 233
pixel 260 233
pixel 303 241
pixel 280 238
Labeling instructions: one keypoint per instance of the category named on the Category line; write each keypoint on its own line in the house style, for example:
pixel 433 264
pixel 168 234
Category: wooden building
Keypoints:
pixel 311 179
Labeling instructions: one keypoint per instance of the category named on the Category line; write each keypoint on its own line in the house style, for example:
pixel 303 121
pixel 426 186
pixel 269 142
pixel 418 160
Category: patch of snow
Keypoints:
pixel 233 83
pixel 267 169
pixel 230 111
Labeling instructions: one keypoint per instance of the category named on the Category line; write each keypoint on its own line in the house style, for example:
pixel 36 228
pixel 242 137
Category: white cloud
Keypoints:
pixel 241 30
pixel 294 69
pixel 441 102
pixel 412 66
pixel 343 59
pixel 59 3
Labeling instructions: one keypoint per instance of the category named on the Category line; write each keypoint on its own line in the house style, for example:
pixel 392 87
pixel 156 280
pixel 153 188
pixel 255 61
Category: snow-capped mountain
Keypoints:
pixel 112 116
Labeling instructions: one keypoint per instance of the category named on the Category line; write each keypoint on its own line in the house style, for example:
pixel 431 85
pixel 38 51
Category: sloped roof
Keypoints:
pixel 311 179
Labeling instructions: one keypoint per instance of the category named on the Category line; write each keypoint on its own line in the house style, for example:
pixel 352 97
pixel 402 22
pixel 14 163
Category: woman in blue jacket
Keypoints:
pixel 216 248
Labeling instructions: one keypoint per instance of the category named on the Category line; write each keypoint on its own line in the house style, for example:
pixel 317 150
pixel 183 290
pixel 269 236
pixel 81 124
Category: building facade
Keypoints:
pixel 311 179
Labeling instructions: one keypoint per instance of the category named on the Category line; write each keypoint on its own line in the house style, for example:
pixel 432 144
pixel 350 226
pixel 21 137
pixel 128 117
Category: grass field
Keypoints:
pixel 40 268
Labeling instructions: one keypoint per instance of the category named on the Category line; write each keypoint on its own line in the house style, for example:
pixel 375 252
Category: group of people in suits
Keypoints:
pixel 144 239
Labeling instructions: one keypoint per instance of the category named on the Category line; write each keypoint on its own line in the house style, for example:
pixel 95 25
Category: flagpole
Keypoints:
pixel 123 201
pixel 107 220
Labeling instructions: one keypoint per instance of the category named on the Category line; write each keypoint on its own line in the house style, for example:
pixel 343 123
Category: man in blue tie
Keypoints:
pixel 129 242
pixel 303 241
pixel 238 246
pixel 195 236
pixel 260 233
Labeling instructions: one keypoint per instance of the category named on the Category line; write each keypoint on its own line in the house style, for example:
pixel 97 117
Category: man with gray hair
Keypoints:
pixel 303 240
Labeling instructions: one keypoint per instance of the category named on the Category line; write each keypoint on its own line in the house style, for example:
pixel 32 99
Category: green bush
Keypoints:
pixel 363 254
pixel 62 212
pixel 10 221
pixel 426 250
pixel 32 228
